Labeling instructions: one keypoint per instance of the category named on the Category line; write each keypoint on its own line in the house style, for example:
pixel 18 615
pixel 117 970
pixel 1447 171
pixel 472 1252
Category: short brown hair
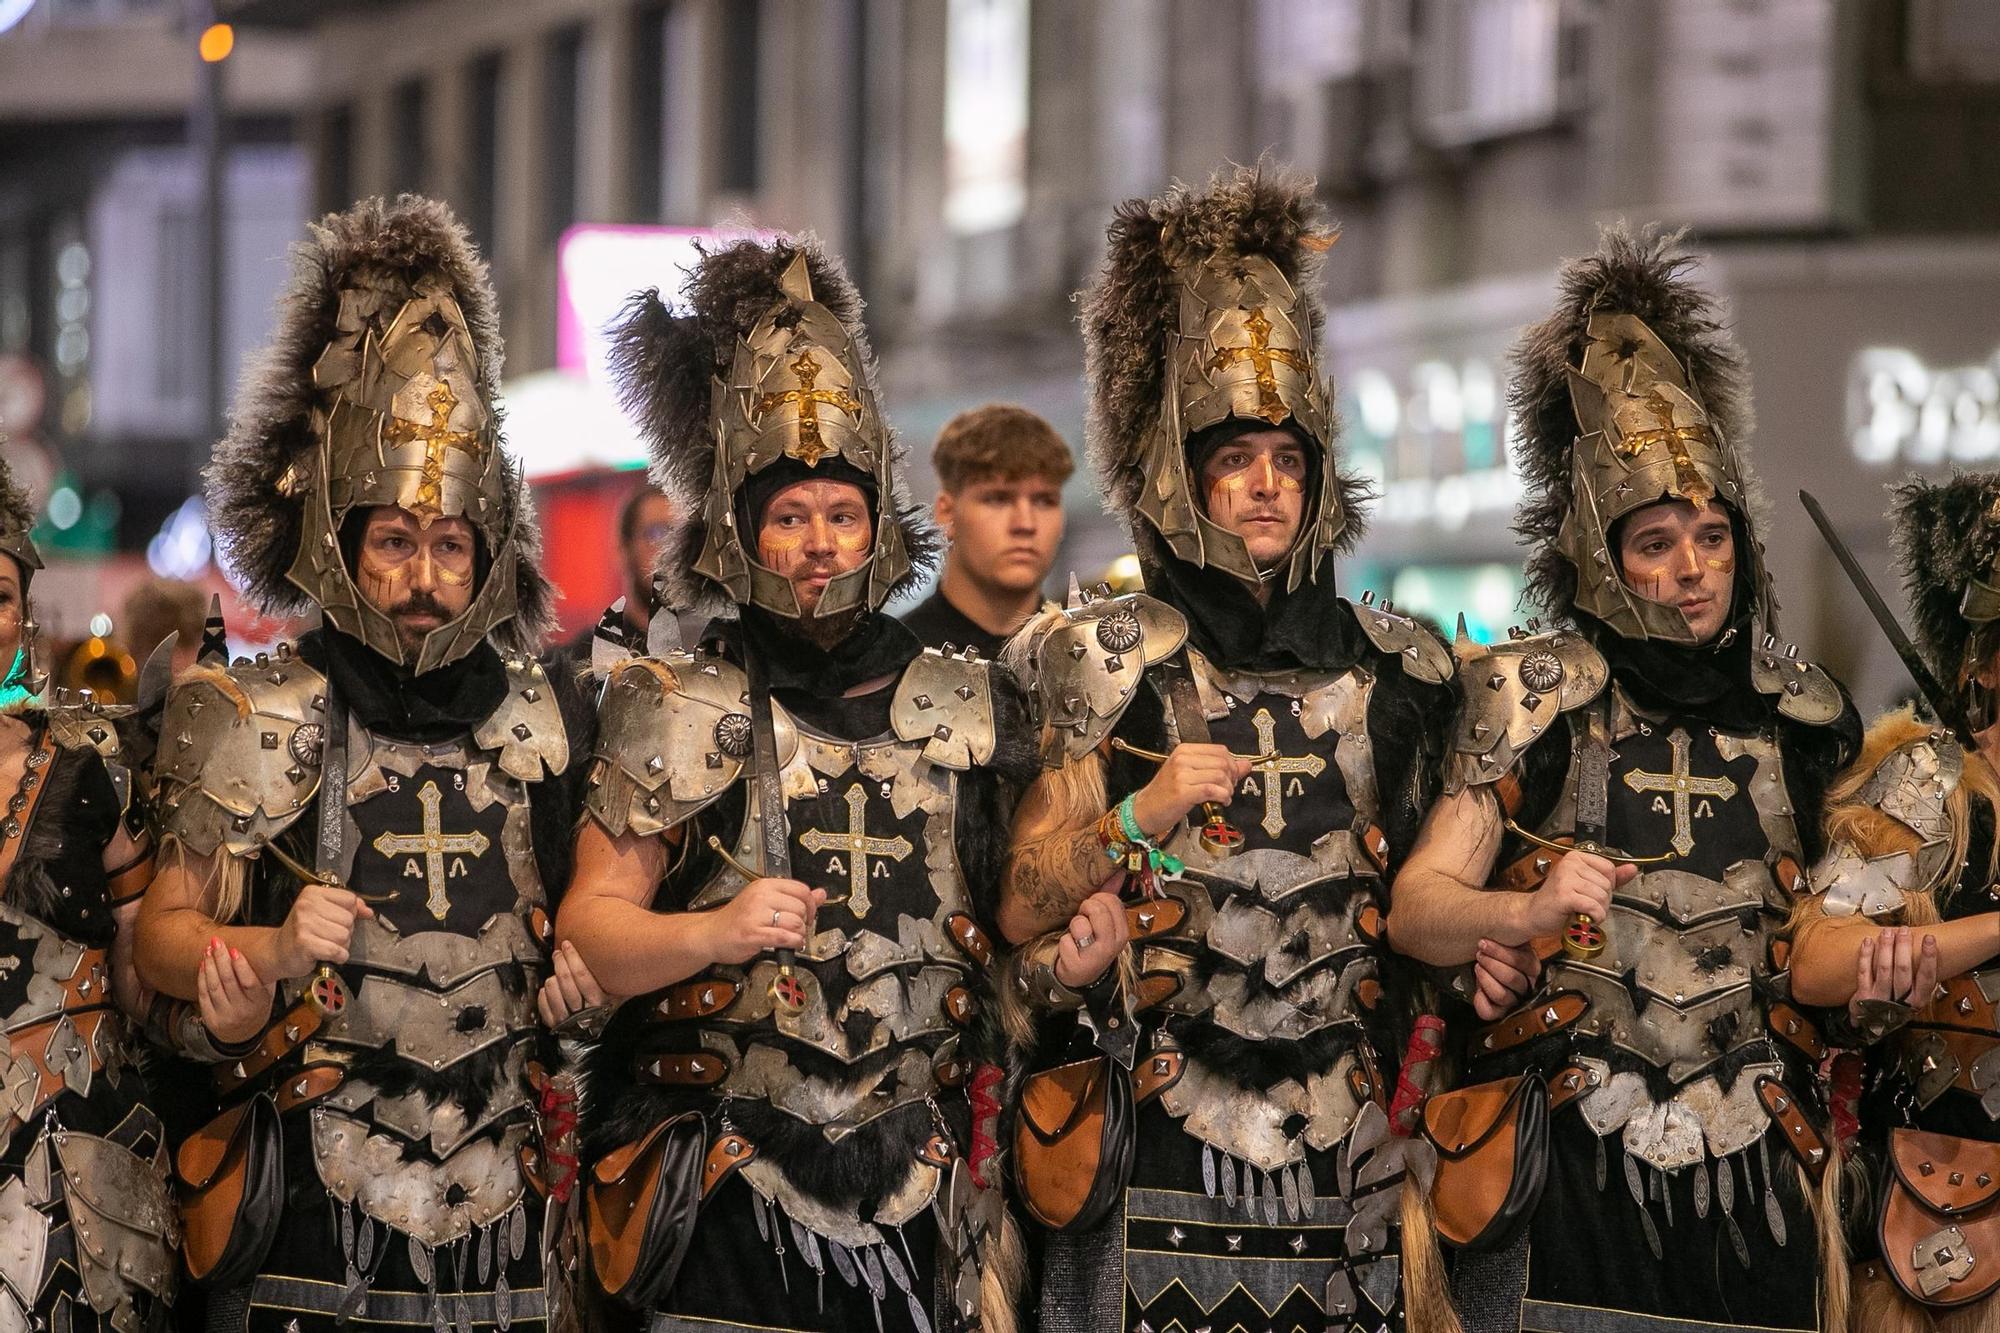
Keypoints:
pixel 999 442
pixel 159 607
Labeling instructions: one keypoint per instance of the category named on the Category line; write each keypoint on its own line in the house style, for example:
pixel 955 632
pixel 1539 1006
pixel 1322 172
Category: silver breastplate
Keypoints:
pixel 1276 926
pixel 1688 939
pixel 438 839
pixel 888 988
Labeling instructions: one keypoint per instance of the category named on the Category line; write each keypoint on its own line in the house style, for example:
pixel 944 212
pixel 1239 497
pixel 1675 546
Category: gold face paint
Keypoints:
pixel 1727 566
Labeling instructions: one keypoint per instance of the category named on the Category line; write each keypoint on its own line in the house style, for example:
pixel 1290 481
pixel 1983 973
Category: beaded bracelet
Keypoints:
pixel 1118 832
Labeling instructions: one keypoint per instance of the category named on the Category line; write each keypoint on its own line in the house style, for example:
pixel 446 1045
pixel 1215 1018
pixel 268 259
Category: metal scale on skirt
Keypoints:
pixel 885 987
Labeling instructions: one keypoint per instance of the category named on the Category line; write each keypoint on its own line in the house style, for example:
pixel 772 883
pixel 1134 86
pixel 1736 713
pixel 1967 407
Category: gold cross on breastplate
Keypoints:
pixel 1683 786
pixel 858 846
pixel 1276 769
pixel 811 448
pixel 434 844
pixel 436 438
pixel 1262 356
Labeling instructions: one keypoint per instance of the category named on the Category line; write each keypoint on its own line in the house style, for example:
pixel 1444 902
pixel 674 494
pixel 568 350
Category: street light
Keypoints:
pixel 217 41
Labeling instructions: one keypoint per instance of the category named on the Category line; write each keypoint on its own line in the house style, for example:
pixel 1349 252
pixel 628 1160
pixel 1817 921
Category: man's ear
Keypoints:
pixel 942 510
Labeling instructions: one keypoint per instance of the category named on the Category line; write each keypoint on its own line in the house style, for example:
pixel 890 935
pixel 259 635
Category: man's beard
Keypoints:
pixel 410 638
pixel 824 632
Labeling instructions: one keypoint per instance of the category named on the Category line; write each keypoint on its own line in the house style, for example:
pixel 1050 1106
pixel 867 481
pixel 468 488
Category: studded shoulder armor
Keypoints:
pixel 239 753
pixel 89 725
pixel 673 734
pixel 1514 691
pixel 1424 655
pixel 1806 693
pixel 1911 786
pixel 526 732
pixel 1081 670
pixel 946 702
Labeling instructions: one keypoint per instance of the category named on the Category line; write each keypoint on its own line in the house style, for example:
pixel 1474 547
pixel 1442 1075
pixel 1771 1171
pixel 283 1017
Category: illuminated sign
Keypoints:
pixel 13 11
pixel 1899 409
pixel 985 114
pixel 1435 446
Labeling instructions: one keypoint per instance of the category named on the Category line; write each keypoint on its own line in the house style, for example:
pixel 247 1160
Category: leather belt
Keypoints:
pixel 1156 1073
pixel 726 1156
pixel 1554 1013
pixel 1155 917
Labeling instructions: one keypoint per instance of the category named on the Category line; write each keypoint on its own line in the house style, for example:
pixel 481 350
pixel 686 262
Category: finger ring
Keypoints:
pixel 1086 941
pixel 775 914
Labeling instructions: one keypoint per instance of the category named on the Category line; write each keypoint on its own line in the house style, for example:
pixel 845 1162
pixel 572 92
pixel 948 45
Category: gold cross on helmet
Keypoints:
pixel 809 448
pixel 436 436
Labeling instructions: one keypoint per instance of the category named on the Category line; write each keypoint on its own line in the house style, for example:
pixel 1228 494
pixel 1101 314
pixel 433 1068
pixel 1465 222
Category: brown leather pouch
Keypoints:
pixel 1073 1141
pixel 229 1176
pixel 1940 1228
pixel 640 1209
pixel 1492 1141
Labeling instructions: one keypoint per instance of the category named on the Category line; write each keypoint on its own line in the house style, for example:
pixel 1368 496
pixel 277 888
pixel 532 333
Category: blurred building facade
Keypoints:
pixel 1837 157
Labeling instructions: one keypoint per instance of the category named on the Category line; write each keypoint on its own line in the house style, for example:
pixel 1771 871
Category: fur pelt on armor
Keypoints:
pixel 1135 302
pixel 1946 535
pixel 17 511
pixel 665 364
pixel 390 247
pixel 1642 272
pixel 28 886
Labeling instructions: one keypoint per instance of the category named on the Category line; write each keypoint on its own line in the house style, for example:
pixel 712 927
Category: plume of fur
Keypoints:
pixel 1135 303
pixel 17 512
pixel 377 244
pixel 665 364
pixel 1946 535
pixel 1643 272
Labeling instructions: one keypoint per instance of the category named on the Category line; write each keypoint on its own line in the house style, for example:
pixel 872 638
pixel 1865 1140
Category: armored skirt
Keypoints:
pixel 87 1234
pixel 1266 1188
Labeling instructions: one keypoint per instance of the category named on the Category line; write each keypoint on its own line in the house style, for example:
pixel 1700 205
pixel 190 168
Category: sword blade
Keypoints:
pixel 1943 705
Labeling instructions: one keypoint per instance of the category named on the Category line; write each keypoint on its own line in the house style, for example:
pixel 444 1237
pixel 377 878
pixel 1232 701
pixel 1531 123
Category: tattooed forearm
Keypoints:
pixel 1049 876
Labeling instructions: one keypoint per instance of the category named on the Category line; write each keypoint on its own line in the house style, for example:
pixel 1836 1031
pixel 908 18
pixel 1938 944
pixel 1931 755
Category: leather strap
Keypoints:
pixel 965 933
pixel 1528 871
pixel 725 1156
pixel 700 998
pixel 704 1070
pixel 1156 1073
pixel 1554 1013
pixel 309 1087
pixel 1805 1141
pixel 1796 1030
pixel 1569 1083
pixel 1376 844
pixel 129 882
pixel 1155 988
pixel 292 1030
pixel 1155 917
pixel 958 1005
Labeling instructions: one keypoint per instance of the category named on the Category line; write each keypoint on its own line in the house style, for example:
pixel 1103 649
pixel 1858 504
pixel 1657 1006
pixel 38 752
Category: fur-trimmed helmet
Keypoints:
pixel 1947 542
pixel 766 376
pixel 1631 392
pixel 379 389
pixel 17 523
pixel 1207 310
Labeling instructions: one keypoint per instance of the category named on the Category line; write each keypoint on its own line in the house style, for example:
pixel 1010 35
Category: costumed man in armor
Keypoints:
pixel 88 1237
pixel 793 853
pixel 362 834
pixel 1903 897
pixel 1644 783
pixel 1245 756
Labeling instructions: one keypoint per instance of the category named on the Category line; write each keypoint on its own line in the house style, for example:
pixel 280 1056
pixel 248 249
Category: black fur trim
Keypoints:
pixel 1643 272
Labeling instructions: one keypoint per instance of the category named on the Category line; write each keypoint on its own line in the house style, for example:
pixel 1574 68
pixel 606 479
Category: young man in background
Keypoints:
pixel 1000 472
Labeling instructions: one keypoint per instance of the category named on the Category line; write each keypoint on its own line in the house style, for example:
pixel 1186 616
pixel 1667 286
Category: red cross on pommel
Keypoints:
pixel 327 992
pixel 1219 835
pixel 788 993
pixel 1583 938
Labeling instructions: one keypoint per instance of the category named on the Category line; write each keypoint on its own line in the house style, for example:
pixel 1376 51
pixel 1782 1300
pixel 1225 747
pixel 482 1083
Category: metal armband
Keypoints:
pixel 1081 671
pixel 1035 976
pixel 1513 692
pixel 239 753
pixel 1849 883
